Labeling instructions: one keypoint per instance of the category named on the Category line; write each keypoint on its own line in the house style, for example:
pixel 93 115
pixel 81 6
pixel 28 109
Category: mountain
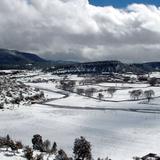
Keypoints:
pixel 9 57
pixel 12 59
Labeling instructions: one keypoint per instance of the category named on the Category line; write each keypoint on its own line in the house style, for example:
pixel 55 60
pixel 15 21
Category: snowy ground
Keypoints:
pixel 9 155
pixel 122 90
pixel 118 130
pixel 119 134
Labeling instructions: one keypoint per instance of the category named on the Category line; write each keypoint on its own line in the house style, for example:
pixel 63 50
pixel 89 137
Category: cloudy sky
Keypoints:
pixel 80 30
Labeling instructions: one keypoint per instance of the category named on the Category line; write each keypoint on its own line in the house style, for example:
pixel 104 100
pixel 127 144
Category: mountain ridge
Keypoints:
pixel 17 57
pixel 12 58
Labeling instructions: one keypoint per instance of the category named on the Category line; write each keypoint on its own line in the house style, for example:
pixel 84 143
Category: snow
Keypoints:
pixel 124 85
pixel 8 155
pixel 119 130
pixel 50 85
pixel 155 74
pixel 50 95
pixel 123 90
pixel 120 135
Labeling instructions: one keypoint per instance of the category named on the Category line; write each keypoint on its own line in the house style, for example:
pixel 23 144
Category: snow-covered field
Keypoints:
pixel 118 134
pixel 120 130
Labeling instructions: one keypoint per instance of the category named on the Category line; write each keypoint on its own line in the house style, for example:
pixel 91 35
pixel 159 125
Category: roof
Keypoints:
pixel 151 155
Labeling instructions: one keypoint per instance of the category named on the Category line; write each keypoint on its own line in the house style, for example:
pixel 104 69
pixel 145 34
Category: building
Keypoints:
pixel 151 156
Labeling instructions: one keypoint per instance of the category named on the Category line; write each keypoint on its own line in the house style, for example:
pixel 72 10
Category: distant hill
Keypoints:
pixel 105 67
pixel 97 67
pixel 9 57
pixel 149 66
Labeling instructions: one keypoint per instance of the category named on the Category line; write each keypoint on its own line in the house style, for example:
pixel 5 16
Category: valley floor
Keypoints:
pixel 119 130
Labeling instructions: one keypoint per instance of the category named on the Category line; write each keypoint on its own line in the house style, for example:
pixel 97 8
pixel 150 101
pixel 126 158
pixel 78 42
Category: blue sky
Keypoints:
pixel 122 3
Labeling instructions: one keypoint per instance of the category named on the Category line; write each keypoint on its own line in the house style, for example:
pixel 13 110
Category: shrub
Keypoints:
pixel 13 146
pixel 61 155
pixel 38 157
pixel 1 105
pixel 28 153
pixel 19 145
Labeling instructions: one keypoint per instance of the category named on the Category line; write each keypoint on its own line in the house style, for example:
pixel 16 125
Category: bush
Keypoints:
pixel 38 157
pixel 13 146
pixel 19 145
pixel 1 105
pixel 7 142
pixel 143 78
pixel 28 153
pixel 61 155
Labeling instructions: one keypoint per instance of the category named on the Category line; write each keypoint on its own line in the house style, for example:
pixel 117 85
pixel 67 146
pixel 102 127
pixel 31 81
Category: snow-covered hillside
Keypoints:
pixel 13 93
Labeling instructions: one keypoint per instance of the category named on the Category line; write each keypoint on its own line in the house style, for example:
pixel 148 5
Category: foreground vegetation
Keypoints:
pixel 44 149
pixel 13 92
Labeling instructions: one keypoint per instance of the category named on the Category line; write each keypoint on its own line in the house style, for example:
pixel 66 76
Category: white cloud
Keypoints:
pixel 76 30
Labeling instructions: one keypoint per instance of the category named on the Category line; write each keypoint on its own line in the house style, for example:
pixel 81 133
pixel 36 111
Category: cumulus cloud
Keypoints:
pixel 76 30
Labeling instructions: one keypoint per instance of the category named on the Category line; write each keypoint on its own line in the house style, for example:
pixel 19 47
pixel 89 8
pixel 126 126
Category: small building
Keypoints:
pixel 151 156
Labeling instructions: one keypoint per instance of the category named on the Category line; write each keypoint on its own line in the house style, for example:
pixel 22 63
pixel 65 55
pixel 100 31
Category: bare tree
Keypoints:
pixel 80 91
pixel 153 81
pixel 135 94
pixel 111 91
pixel 67 85
pixel 47 146
pixel 100 96
pixel 149 94
pixel 89 92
